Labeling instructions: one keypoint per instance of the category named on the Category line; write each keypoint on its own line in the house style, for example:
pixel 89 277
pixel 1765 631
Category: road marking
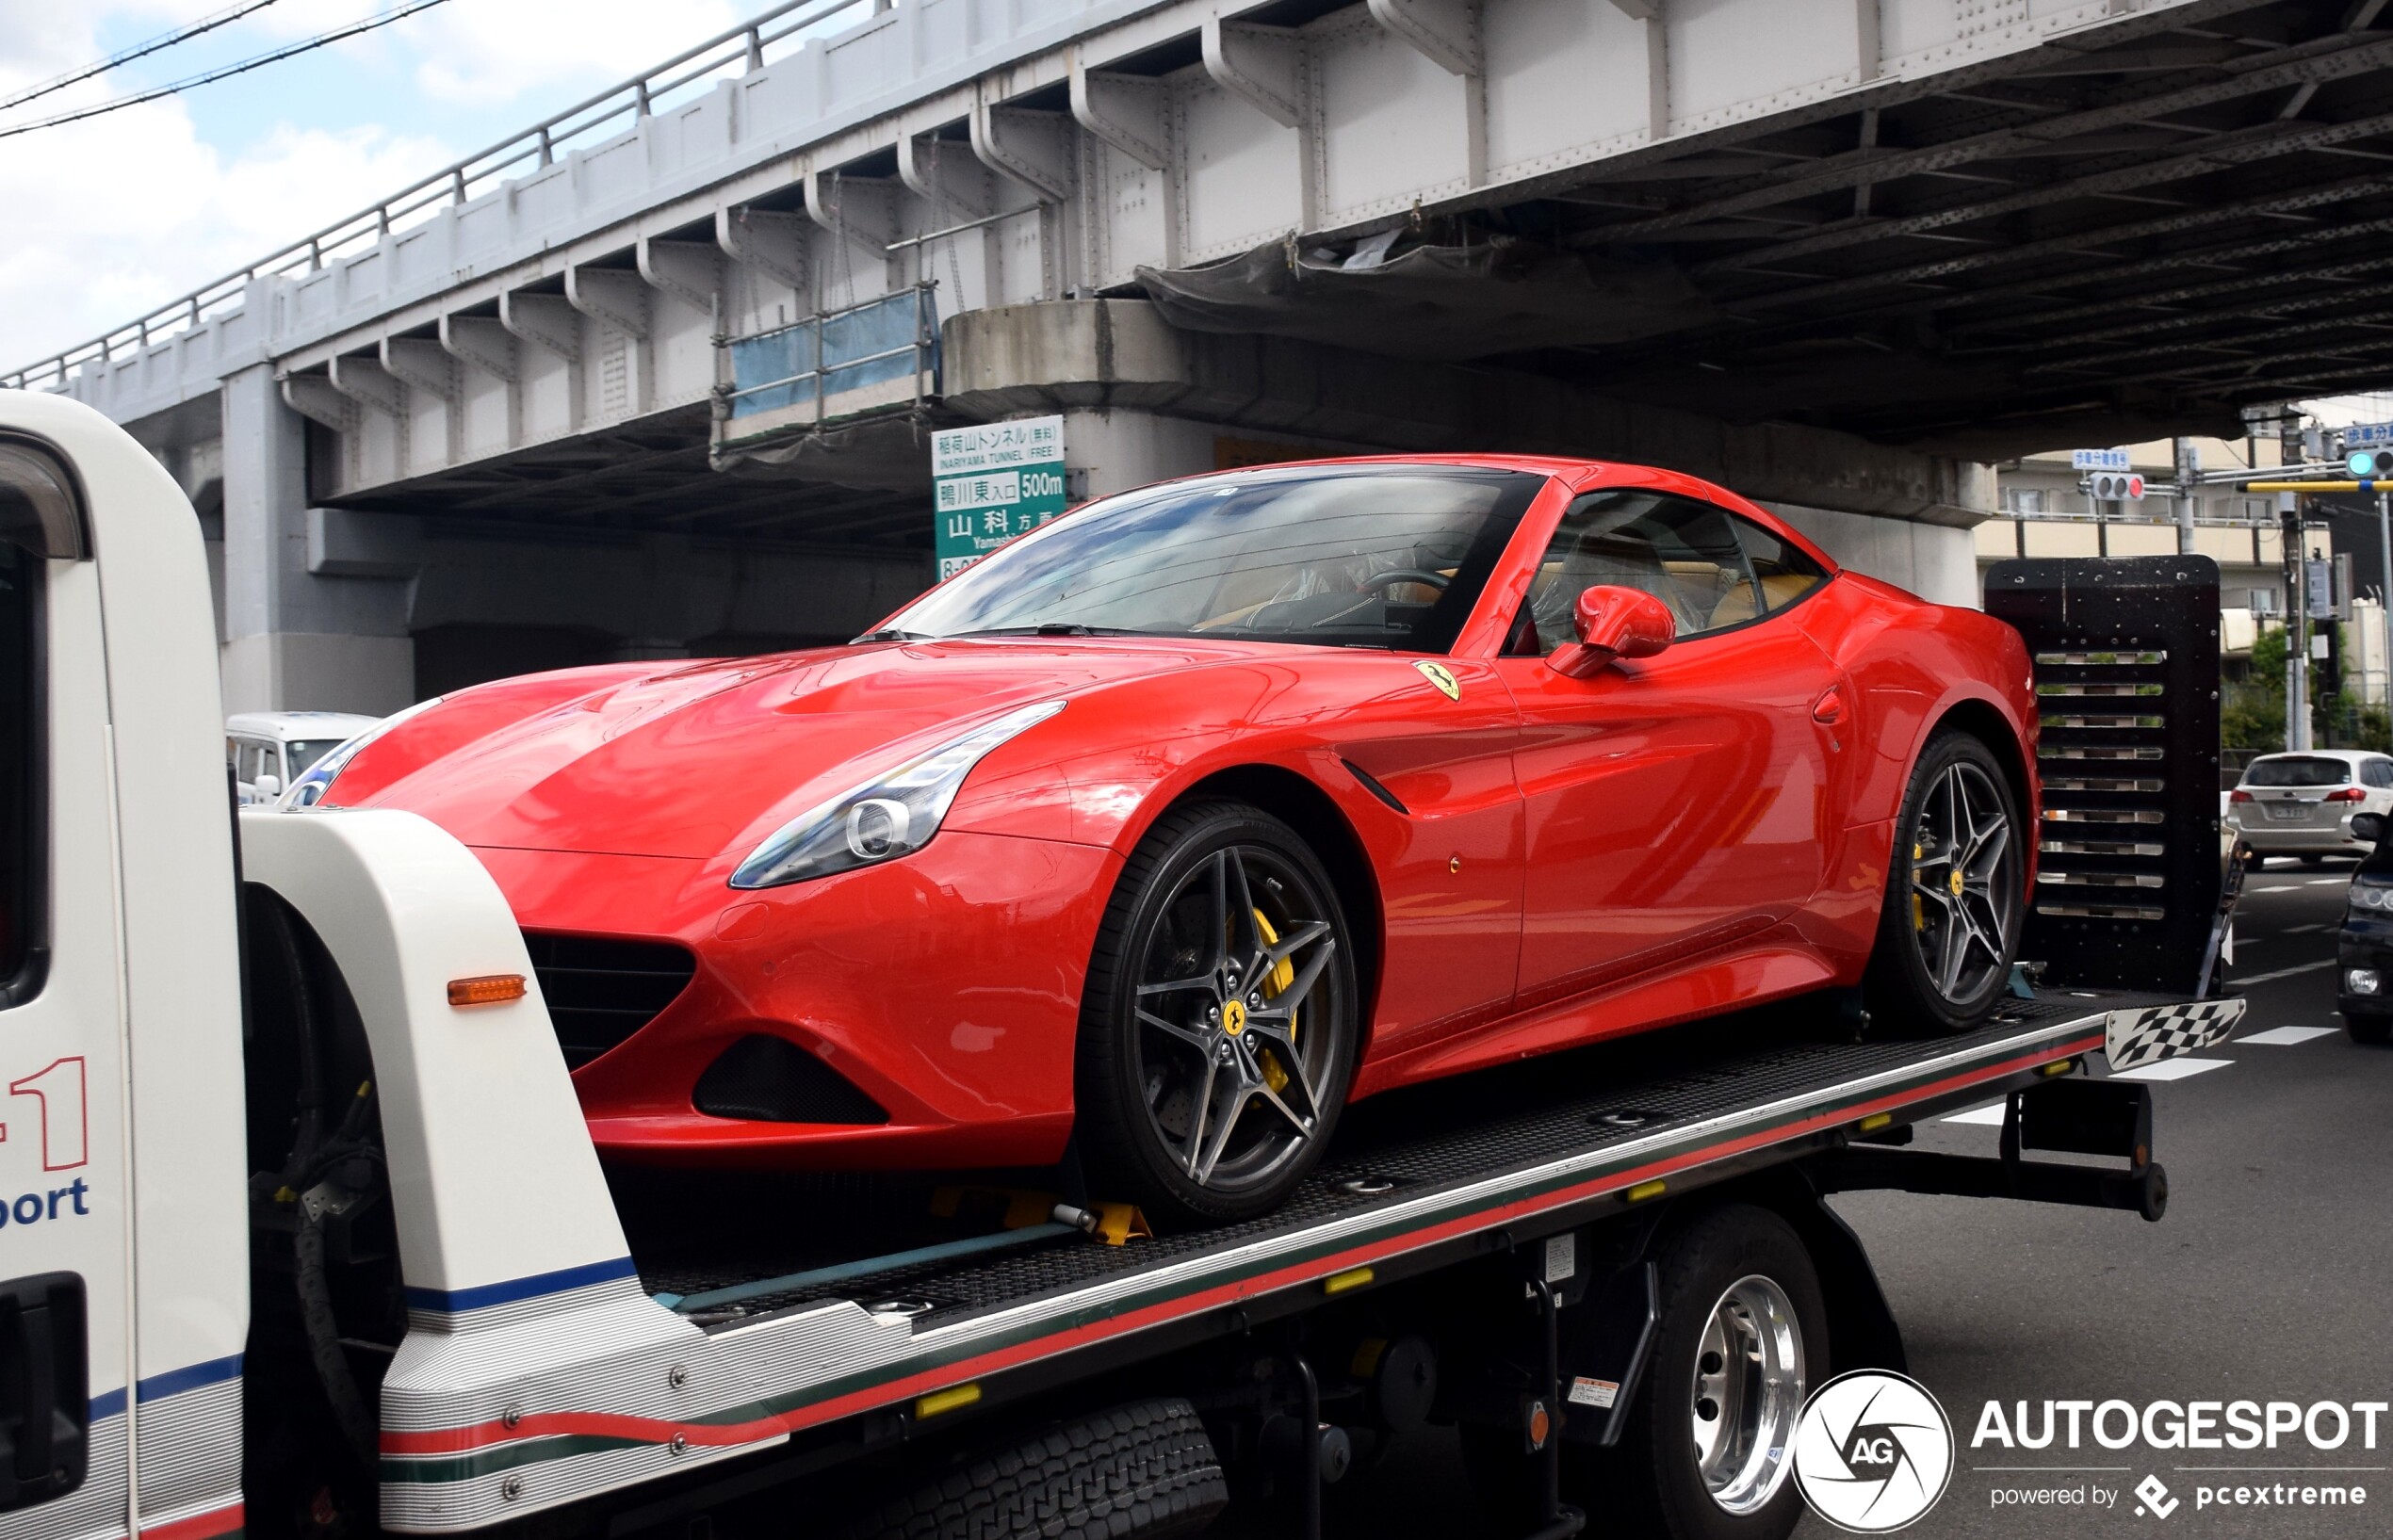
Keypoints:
pixel 2285 1037
pixel 2328 882
pixel 2304 929
pixel 2284 973
pixel 2171 1069
pixel 1991 1115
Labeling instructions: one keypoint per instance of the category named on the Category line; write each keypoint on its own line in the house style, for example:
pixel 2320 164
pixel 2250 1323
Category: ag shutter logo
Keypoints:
pixel 1873 1451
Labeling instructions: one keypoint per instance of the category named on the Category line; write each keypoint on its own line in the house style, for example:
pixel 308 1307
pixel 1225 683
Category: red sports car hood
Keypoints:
pixel 683 762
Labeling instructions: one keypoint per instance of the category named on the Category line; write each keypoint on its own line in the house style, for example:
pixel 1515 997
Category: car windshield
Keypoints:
pixel 2297 770
pixel 1350 557
pixel 301 754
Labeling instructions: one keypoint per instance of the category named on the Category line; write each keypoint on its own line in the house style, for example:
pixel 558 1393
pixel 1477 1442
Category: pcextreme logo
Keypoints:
pixel 1873 1451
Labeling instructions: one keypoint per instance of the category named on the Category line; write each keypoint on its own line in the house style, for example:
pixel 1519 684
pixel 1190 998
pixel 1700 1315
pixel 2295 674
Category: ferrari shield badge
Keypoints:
pixel 1441 677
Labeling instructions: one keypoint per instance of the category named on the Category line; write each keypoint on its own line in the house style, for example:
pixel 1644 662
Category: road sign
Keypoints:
pixel 992 483
pixel 2367 432
pixel 2098 460
pixel 2112 487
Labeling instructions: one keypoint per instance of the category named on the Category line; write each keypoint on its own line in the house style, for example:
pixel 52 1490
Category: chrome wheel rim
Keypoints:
pixel 1964 882
pixel 1237 1012
pixel 1748 1391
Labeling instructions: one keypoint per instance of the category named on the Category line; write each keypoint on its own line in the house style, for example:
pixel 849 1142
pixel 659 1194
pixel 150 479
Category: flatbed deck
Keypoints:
pixel 637 1377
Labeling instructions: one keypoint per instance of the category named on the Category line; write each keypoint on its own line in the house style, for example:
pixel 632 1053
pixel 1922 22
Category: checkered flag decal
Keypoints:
pixel 2145 1034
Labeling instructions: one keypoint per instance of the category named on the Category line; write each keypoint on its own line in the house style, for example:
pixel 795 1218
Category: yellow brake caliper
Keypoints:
pixel 1275 1073
pixel 1918 910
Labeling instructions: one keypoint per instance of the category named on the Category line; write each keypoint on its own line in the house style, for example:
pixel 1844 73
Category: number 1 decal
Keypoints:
pixel 64 1129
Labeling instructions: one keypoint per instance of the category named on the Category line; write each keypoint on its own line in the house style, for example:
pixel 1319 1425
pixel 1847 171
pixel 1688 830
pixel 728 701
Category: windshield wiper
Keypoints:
pixel 893 635
pixel 1051 628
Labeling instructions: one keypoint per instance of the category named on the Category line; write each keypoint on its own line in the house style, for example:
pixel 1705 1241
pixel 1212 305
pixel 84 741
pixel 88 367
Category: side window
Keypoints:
pixel 2377 772
pixel 1683 552
pixel 19 736
pixel 1781 571
pixel 39 518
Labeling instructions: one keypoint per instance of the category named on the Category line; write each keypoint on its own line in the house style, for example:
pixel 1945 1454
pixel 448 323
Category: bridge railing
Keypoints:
pixel 879 356
pixel 738 51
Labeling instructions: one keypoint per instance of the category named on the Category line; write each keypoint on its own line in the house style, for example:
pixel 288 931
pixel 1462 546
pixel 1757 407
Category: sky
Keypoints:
pixel 103 219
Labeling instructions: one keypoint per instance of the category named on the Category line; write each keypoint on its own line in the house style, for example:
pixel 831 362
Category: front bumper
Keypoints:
pixel 946 986
pixel 2365 943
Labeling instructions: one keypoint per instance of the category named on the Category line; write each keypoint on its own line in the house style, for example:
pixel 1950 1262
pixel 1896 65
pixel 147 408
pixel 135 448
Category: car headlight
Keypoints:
pixel 2370 896
pixel 887 817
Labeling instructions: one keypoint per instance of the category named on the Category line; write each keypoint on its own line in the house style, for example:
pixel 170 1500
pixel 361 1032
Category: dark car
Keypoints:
pixel 2364 954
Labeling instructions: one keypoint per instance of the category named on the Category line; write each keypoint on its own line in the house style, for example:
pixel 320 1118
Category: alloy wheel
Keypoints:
pixel 1964 874
pixel 1233 1045
pixel 1747 1392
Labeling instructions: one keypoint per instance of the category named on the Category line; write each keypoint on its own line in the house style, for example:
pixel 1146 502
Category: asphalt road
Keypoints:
pixel 2267 1281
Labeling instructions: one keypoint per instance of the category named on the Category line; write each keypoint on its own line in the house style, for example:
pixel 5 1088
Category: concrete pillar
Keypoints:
pixel 296 641
pixel 1111 451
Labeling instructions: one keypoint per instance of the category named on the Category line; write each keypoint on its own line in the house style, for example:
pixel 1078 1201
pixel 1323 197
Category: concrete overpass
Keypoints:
pixel 1835 252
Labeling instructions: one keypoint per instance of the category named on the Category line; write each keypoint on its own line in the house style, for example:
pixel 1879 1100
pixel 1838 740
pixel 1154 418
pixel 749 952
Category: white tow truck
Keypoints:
pixel 302 1233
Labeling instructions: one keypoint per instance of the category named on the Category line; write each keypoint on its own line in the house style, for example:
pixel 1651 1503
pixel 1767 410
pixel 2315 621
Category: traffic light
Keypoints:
pixel 2116 487
pixel 2370 465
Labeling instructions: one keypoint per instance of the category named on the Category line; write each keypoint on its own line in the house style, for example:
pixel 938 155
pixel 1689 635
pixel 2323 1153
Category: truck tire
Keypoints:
pixel 2367 1029
pixel 1734 1267
pixel 1145 1470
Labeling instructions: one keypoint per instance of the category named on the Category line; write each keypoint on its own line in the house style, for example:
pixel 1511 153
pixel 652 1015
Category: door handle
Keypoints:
pixel 44 1388
pixel 1829 708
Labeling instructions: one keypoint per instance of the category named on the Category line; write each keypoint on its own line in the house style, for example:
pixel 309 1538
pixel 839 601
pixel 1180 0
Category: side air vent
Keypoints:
pixel 600 990
pixel 771 1080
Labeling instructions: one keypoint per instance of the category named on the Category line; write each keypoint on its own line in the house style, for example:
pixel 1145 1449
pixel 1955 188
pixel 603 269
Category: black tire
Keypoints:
pixel 2367 1031
pixel 1144 1471
pixel 1919 911
pixel 1252 1089
pixel 2313 862
pixel 1654 1479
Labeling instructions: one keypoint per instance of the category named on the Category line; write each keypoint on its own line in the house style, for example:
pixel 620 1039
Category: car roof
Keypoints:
pixel 282 726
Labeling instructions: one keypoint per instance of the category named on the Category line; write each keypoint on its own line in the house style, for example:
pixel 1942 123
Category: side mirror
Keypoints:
pixel 2368 826
pixel 1613 623
pixel 267 787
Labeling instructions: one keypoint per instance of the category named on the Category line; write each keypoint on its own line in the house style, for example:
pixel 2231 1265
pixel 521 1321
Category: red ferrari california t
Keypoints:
pixel 1193 816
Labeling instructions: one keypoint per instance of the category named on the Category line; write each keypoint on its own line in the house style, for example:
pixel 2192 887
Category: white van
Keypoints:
pixel 269 749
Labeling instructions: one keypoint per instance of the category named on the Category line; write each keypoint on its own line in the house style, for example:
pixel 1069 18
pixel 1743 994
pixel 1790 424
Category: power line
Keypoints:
pixel 139 50
pixel 226 73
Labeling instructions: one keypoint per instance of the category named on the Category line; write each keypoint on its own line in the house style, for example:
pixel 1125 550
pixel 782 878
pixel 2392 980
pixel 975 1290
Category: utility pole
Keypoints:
pixel 2385 594
pixel 2188 457
pixel 2297 639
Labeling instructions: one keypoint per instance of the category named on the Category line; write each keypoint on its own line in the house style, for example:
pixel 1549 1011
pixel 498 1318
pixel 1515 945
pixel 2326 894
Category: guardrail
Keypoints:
pixel 738 51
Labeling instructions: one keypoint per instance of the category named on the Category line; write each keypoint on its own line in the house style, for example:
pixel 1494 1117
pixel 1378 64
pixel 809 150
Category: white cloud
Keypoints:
pixel 116 215
pixel 486 51
pixel 122 213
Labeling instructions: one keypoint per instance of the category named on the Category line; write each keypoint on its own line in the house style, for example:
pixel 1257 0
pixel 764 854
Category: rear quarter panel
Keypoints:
pixel 1913 664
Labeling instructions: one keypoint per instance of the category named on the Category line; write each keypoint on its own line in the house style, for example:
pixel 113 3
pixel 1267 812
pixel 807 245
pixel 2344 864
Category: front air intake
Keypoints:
pixel 771 1080
pixel 600 990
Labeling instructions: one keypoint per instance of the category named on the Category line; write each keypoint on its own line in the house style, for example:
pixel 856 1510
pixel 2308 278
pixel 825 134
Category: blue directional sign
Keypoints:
pixel 2097 460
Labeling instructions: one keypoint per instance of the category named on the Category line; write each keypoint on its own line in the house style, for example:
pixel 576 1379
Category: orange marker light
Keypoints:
pixel 491 989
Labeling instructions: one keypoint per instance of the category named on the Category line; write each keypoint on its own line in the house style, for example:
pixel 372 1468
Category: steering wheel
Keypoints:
pixel 1405 575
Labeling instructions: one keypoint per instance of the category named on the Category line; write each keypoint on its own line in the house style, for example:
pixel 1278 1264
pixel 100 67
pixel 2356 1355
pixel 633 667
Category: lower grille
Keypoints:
pixel 772 1079
pixel 600 990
